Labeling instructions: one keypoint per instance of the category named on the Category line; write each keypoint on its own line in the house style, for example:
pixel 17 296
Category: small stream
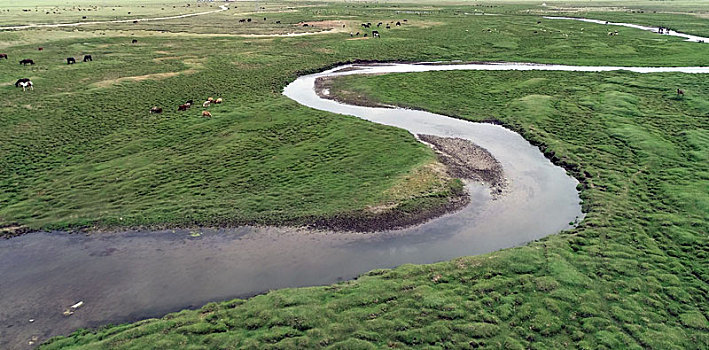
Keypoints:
pixel 688 37
pixel 133 275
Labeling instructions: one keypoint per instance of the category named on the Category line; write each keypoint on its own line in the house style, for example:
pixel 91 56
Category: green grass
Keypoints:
pixel 632 275
pixel 83 151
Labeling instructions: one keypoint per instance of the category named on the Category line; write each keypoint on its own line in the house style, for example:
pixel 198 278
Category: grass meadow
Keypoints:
pixel 82 151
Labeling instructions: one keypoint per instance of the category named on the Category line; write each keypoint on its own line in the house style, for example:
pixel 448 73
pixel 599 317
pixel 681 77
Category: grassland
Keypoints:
pixel 632 275
pixel 82 151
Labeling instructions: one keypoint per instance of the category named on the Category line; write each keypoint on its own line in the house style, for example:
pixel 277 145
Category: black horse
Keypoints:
pixel 27 61
pixel 88 58
pixel 70 60
pixel 3 55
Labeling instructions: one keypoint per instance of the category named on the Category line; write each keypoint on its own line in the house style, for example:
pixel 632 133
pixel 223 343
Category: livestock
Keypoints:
pixel 379 24
pixel 206 104
pixel 365 35
pixel 22 80
pixel 40 48
pixel 680 92
pixel 357 34
pixel 134 41
pixel 210 99
pixel 156 110
pixel 388 26
pixel 206 114
pixel 88 58
pixel 218 100
pixel 398 24
pixel 3 55
pixel 183 107
pixel 27 61
pixel 24 83
pixel 248 20
pixel 278 22
pixel 305 24
pixel 375 34
pixel 70 60
pixel 189 102
pixel 242 20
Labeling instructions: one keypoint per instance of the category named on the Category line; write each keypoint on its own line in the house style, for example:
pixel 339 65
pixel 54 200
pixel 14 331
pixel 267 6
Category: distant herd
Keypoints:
pixel 26 83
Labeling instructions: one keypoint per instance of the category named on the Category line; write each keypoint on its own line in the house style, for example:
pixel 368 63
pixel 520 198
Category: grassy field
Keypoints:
pixel 633 275
pixel 81 150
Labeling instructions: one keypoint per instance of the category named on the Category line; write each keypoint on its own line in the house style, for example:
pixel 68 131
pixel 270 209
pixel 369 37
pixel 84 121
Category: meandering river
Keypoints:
pixel 127 276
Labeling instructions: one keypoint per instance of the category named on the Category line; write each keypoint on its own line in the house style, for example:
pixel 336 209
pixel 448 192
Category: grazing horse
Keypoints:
pixel 189 102
pixel 218 100
pixel 70 60
pixel 680 92
pixel 40 48
pixel 22 80
pixel 155 110
pixel 206 104
pixel 398 24
pixel 24 83
pixel 210 99
pixel 183 107
pixel 27 61
pixel 3 55
pixel 135 41
pixel 375 34
pixel 88 58
pixel 206 114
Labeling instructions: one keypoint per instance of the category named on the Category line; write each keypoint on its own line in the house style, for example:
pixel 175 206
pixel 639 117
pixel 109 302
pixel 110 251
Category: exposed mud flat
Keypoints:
pixel 466 160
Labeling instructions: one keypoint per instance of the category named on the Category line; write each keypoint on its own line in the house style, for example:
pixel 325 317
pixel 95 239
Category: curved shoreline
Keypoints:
pixel 688 37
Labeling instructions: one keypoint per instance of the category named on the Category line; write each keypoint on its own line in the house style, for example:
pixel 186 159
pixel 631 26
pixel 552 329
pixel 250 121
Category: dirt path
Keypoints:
pixel 57 25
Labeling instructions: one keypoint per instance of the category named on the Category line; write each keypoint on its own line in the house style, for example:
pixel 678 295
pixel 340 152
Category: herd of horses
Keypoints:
pixel 185 106
pixel 26 83
pixel 375 33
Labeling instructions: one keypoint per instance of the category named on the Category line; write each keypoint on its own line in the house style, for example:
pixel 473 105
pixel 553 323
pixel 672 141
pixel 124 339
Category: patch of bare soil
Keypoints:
pixel 323 24
pixel 467 160
pixel 155 76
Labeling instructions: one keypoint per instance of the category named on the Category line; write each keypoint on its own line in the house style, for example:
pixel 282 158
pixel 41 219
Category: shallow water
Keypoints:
pixel 127 276
pixel 689 37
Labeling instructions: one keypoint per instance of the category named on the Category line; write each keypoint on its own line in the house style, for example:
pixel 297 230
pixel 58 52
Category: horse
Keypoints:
pixel 218 100
pixel 398 24
pixel 375 34
pixel 70 60
pixel 24 83
pixel 40 48
pixel 135 41
pixel 206 114
pixel 3 55
pixel 680 92
pixel 183 107
pixel 156 110
pixel 189 102
pixel 27 61
pixel 206 104
pixel 88 58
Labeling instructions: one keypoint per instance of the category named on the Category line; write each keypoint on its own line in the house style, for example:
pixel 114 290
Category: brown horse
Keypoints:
pixel 183 107
pixel 3 55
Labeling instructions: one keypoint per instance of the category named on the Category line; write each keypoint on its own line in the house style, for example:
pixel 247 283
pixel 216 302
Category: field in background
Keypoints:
pixel 82 150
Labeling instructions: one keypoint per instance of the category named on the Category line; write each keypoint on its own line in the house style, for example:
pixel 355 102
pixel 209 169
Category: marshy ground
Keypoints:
pixel 83 151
